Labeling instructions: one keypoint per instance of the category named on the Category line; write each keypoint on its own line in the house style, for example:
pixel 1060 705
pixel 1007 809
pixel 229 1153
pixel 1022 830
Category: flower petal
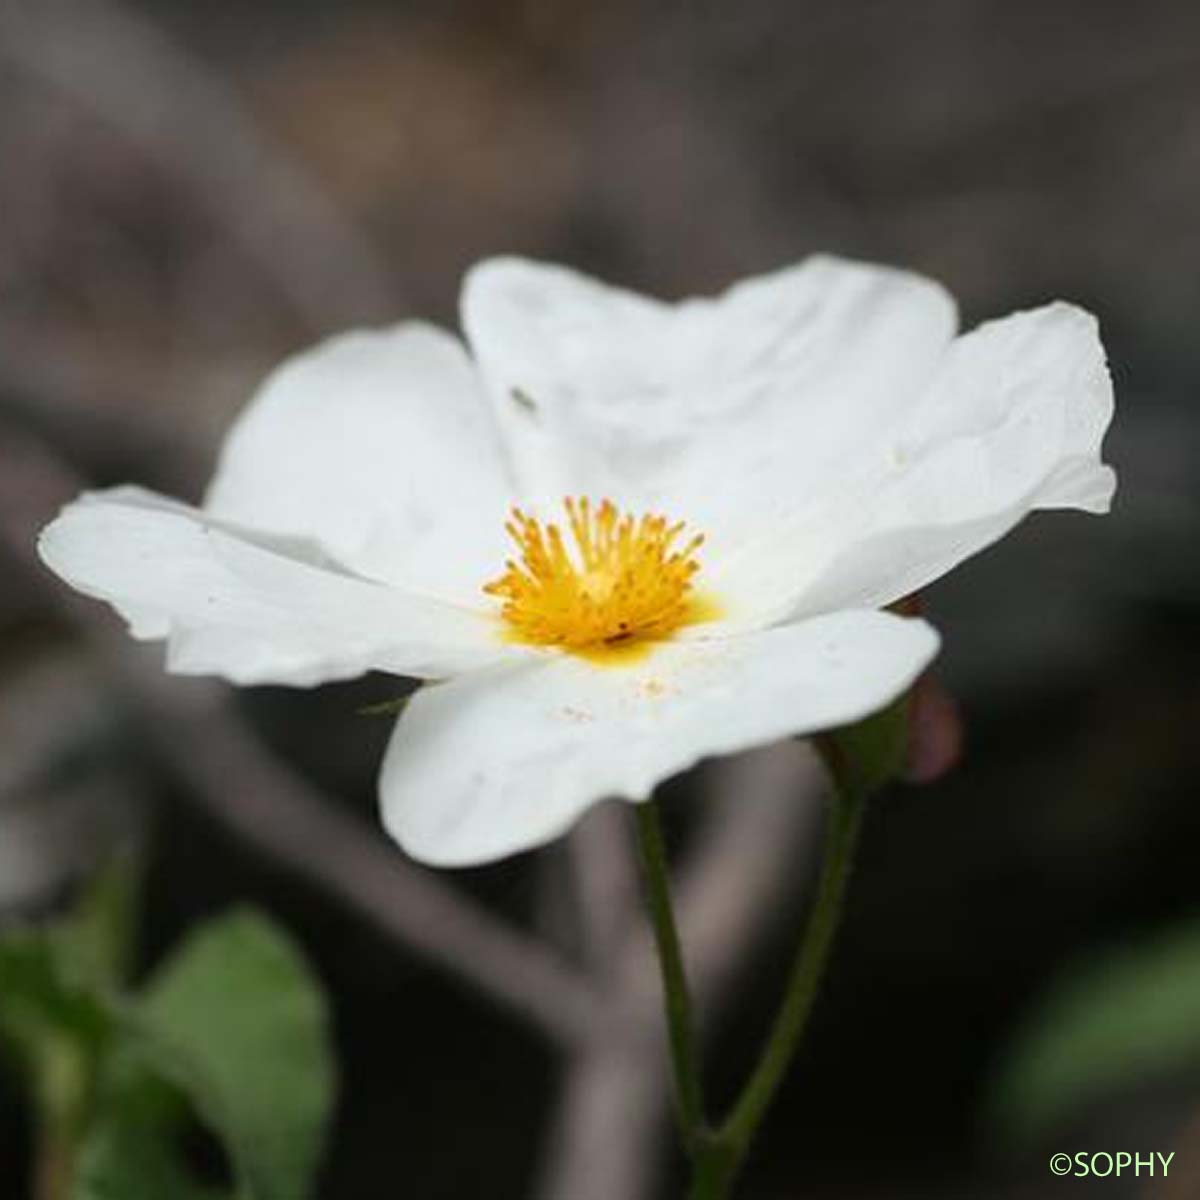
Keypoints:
pixel 502 760
pixel 1013 422
pixel 555 346
pixel 253 608
pixel 378 444
pixel 723 411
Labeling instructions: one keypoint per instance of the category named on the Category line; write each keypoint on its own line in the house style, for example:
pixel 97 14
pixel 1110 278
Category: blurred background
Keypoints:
pixel 189 191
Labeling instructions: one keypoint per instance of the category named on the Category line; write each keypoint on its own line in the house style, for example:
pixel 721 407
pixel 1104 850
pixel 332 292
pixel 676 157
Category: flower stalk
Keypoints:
pixel 718 1153
pixel 689 1099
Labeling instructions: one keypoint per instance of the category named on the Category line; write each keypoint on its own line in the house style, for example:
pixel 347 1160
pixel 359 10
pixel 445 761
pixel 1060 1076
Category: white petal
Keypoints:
pixel 793 380
pixel 502 760
pixel 554 347
pixel 251 607
pixel 1013 422
pixel 379 445
pixel 721 411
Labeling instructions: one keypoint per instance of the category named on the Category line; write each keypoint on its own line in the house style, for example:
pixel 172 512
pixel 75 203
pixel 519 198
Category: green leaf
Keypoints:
pixel 54 977
pixel 56 980
pixel 1106 1025
pixel 39 1000
pixel 51 1023
pixel 233 1027
pixel 126 1162
pixel 56 1029
pixel 236 1020
pixel 132 1150
pixel 96 941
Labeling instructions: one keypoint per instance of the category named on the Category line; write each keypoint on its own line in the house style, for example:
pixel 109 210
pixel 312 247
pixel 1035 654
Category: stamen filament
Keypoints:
pixel 620 577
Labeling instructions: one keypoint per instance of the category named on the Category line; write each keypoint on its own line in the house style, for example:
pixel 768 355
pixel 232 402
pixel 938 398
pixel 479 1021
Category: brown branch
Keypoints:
pixel 124 70
pixel 101 432
pixel 607 1135
pixel 192 727
pixel 754 856
pixel 605 879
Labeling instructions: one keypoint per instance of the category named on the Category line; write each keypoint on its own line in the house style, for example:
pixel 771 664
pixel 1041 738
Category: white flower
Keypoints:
pixel 823 428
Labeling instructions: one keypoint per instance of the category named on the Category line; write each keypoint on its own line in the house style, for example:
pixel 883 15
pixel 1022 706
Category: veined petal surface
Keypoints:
pixel 1012 422
pixel 725 412
pixel 502 760
pixel 251 607
pixel 379 446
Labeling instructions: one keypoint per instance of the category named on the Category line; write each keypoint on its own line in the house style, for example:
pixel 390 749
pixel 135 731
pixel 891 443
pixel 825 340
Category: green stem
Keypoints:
pixel 720 1158
pixel 677 1002
pixel 62 1092
pixel 714 1168
pixel 54 1165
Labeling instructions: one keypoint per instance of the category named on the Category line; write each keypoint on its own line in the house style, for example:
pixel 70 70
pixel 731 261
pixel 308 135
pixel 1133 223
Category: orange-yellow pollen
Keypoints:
pixel 621 578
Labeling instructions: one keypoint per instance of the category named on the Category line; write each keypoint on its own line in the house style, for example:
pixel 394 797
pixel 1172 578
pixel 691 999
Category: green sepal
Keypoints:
pixel 385 708
pixel 866 756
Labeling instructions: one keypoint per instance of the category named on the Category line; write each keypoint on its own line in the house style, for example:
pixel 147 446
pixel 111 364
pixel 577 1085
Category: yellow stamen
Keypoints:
pixel 622 579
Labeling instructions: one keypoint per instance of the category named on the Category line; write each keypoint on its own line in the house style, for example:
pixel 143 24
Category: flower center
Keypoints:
pixel 616 577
